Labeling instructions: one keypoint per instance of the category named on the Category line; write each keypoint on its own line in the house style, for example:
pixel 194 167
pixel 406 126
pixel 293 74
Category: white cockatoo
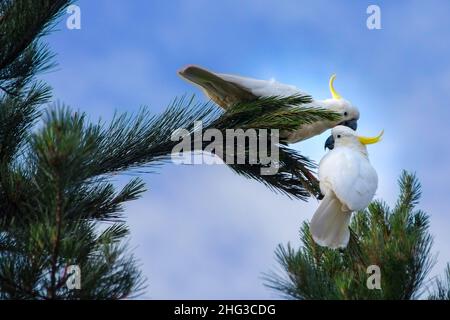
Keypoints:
pixel 226 90
pixel 348 182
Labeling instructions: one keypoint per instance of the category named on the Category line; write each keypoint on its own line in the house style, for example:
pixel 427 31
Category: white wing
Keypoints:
pixel 263 88
pixel 227 89
pixel 349 174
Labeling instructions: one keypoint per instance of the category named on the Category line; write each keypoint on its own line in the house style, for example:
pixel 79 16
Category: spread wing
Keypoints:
pixel 350 176
pixel 226 90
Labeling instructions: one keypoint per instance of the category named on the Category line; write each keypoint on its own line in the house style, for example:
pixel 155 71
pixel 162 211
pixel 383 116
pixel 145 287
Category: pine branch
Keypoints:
pixel 55 186
pixel 441 290
pixel 410 191
pixel 145 141
pixel 98 200
pixel 398 241
pixel 149 143
pixel 48 214
pixel 17 116
pixel 23 22
pixel 293 178
pixel 22 56
pixel 283 113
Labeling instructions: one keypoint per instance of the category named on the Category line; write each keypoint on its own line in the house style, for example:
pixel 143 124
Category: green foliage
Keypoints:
pixel 397 240
pixel 58 203
pixel 441 290
pixel 294 177
pixel 51 198
pixel 22 56
pixel 284 113
pixel 51 205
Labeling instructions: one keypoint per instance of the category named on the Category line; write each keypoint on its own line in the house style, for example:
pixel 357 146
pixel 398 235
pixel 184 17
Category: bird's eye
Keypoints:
pixel 338 136
pixel 345 113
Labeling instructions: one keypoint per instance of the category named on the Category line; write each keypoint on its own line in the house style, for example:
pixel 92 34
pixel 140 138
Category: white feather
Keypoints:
pixel 349 174
pixel 263 88
pixel 227 90
pixel 348 182
pixel 329 225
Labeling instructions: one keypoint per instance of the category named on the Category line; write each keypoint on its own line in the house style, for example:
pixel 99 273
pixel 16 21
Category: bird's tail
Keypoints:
pixel 200 76
pixel 221 91
pixel 329 225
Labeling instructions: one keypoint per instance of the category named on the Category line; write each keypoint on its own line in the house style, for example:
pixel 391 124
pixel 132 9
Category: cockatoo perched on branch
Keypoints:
pixel 348 182
pixel 226 90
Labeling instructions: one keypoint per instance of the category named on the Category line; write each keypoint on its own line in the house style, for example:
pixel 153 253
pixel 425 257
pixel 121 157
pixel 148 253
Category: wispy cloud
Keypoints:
pixel 203 232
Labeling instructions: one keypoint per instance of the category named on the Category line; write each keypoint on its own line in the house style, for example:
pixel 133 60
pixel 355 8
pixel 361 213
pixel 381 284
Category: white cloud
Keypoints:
pixel 218 236
pixel 203 232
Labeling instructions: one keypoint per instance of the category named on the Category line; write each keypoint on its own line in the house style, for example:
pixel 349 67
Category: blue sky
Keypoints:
pixel 202 231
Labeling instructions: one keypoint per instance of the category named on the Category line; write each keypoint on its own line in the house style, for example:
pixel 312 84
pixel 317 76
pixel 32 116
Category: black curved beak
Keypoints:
pixel 329 143
pixel 352 124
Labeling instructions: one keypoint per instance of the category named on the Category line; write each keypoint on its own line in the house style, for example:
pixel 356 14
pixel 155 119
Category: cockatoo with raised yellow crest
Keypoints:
pixel 348 182
pixel 227 90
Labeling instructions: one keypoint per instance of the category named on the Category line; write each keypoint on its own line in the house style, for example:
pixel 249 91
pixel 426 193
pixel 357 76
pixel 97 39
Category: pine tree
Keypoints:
pixel 397 240
pixel 441 290
pixel 58 204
